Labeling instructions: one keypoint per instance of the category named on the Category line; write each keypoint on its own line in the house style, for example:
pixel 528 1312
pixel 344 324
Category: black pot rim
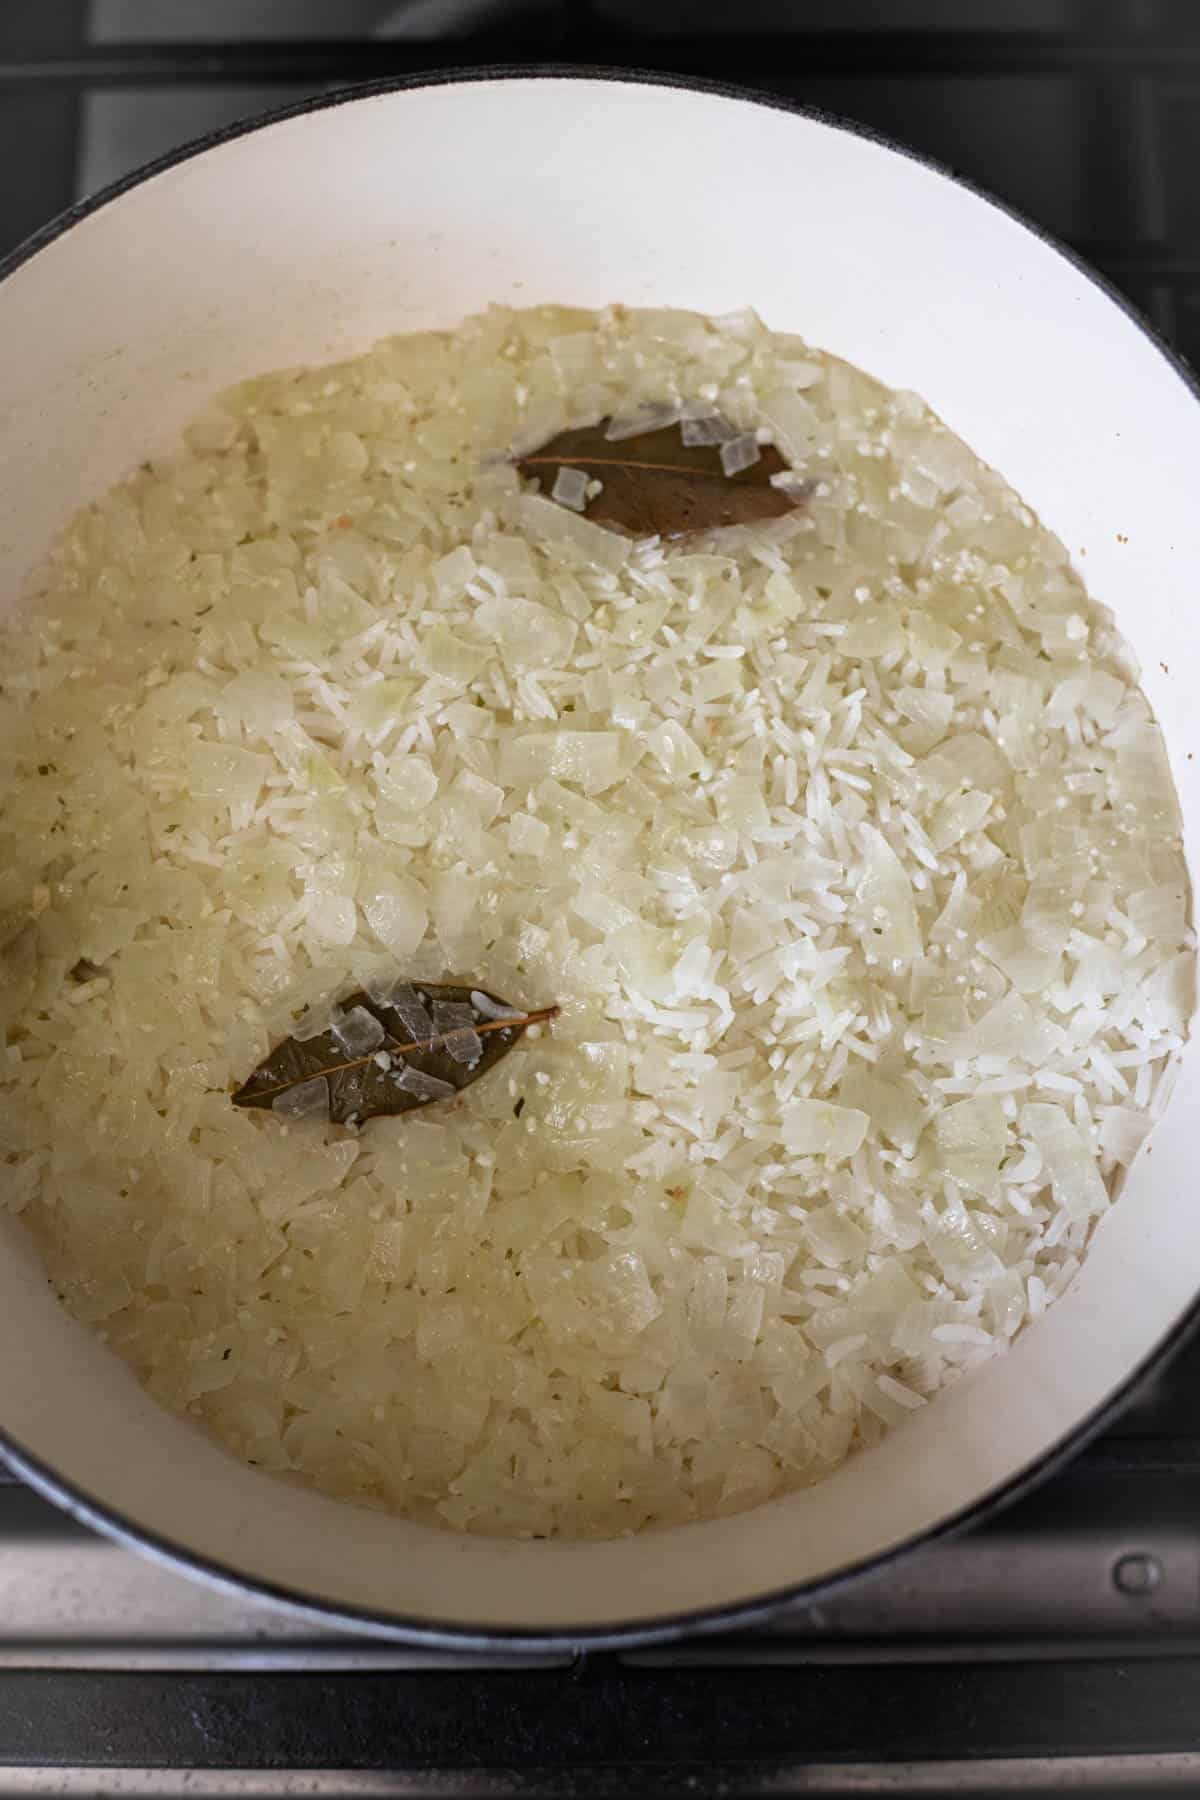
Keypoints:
pixel 452 1636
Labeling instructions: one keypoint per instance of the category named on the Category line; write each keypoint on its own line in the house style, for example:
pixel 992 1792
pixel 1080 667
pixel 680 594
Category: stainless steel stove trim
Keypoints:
pixel 444 1634
pixel 1045 1583
pixel 1175 1772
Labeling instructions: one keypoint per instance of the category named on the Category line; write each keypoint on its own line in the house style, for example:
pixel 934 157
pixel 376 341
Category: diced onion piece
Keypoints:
pixel 452 1015
pixel 709 429
pixel 527 835
pixel 966 760
pixel 675 750
pixel 793 422
pixel 332 918
pixel 873 631
pixel 1048 915
pixel 408 782
pixel 894 1107
pixel 1012 1032
pixel 257 699
pixel 578 536
pixel 707 1298
pixel 1144 793
pixel 530 636
pixel 971 1137
pixel 957 816
pixel 308 1100
pixel 464 1046
pixel 570 488
pixel 379 706
pixel 946 1020
pixel 358 1031
pixel 423 1086
pixel 740 453
pixel 834 1239
pixel 819 1128
pixel 451 573
pixel 1123 1131
pixel 1069 1163
pixel 886 896
pixel 647 418
pixel 590 760
pixel 1030 969
pixel 223 772
pixel 1168 997
pixel 450 657
pixel 394 906
pixel 1159 912
pixel 928 708
pixel 414 1014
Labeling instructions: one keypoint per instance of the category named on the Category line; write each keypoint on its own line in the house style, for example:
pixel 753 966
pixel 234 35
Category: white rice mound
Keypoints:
pixel 847 846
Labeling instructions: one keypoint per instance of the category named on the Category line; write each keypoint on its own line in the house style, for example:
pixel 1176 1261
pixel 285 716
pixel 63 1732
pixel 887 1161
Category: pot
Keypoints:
pixel 305 238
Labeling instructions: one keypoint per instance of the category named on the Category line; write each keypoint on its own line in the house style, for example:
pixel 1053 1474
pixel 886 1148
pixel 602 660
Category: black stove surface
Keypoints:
pixel 1055 1648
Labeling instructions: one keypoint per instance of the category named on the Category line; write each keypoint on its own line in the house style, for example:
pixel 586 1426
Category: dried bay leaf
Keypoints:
pixel 389 1051
pixel 656 484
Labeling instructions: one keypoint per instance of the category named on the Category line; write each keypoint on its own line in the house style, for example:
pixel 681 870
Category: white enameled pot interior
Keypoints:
pixel 314 235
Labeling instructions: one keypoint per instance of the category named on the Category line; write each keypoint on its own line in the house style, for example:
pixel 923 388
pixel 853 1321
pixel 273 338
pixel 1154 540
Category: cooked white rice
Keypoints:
pixel 847 846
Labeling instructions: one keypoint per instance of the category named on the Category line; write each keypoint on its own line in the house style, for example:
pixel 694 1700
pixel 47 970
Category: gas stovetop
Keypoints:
pixel 1057 1647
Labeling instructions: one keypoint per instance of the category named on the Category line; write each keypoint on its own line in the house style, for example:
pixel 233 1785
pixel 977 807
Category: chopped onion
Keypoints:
pixel 818 1128
pixel 570 488
pixel 709 429
pixel 308 1100
pixel 1069 1162
pixel 740 453
pixel 422 1086
pixel 358 1031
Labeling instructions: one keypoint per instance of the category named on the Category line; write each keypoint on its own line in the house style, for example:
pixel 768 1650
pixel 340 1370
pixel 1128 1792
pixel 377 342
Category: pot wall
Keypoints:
pixel 309 238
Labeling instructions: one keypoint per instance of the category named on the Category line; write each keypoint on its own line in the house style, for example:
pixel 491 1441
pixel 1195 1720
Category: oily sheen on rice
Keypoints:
pixel 847 846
